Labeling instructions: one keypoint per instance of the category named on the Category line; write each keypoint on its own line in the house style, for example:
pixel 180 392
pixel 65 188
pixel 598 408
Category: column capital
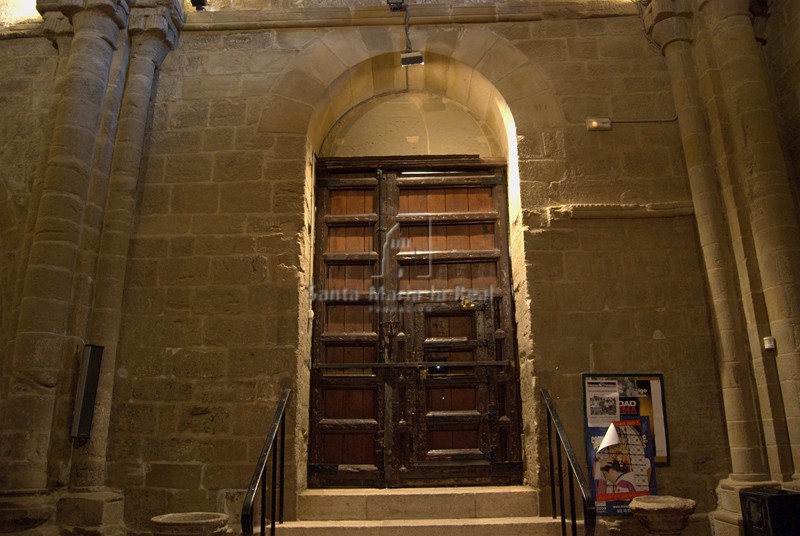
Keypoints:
pixel 725 8
pixel 162 18
pixel 57 26
pixel 117 10
pixel 667 21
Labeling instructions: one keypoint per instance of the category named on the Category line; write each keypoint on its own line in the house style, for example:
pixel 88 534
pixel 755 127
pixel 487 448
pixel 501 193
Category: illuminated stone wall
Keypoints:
pixel 209 290
pixel 211 319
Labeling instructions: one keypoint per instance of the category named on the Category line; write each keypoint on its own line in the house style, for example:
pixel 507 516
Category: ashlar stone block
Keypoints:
pixel 245 197
pixel 226 331
pixel 194 198
pixel 174 475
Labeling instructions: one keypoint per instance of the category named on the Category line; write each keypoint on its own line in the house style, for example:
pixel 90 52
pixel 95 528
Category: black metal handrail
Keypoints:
pixel 260 475
pixel 575 473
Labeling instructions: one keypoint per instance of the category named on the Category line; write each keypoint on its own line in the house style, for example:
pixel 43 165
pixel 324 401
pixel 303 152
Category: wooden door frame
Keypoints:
pixel 451 163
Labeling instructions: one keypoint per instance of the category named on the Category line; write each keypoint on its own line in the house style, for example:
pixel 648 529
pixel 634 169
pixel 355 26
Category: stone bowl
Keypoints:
pixel 663 514
pixel 190 523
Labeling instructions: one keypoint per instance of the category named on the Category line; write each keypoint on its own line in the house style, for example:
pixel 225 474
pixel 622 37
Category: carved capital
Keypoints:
pixel 117 10
pixel 56 26
pixel 724 8
pixel 162 18
pixel 667 21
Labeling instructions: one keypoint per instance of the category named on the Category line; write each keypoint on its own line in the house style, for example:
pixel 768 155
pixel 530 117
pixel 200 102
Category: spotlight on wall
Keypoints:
pixel 598 123
pixel 199 5
pixel 411 58
pixel 396 5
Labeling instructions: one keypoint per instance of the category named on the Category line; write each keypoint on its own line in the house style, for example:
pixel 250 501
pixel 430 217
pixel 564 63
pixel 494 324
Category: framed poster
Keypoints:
pixel 634 404
pixel 623 470
pixel 618 397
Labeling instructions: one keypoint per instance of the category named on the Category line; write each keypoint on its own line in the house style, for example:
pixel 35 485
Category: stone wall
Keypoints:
pixel 616 293
pixel 608 267
pixel 612 287
pixel 214 321
pixel 210 327
pixel 782 51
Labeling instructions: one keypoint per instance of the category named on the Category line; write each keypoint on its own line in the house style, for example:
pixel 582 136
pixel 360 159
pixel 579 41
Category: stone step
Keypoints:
pixel 498 526
pixel 418 503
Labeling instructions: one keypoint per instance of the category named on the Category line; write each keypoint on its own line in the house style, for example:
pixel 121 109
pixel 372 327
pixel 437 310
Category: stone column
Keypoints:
pixel 59 31
pixel 41 339
pixel 17 508
pixel 668 22
pixel 761 170
pixel 154 26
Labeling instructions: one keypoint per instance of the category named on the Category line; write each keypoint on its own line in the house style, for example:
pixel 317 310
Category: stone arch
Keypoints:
pixel 410 123
pixel 470 65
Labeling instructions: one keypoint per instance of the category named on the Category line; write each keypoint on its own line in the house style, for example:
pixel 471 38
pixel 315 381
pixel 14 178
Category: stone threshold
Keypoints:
pixel 463 503
pixel 529 526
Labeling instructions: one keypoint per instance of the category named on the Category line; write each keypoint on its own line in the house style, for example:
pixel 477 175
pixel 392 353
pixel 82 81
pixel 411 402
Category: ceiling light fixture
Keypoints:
pixel 409 56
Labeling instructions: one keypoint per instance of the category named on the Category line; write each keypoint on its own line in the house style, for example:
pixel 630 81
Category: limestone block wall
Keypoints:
pixel 210 327
pixel 614 274
pixel 620 294
pixel 214 311
pixel 597 67
pixel 607 262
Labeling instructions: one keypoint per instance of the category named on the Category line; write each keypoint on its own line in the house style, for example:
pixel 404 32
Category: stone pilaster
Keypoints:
pixel 41 340
pixel 669 23
pixel 58 29
pixel 760 169
pixel 153 26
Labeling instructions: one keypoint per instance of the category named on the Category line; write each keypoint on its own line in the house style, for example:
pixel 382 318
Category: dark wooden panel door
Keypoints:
pixel 414 376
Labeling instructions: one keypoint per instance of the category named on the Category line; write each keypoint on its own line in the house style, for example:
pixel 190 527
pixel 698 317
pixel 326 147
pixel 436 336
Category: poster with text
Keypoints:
pixel 619 397
pixel 622 471
pixel 602 401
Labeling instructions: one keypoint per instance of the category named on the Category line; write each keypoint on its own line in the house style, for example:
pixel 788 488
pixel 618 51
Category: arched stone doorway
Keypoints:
pixel 414 371
pixel 458 70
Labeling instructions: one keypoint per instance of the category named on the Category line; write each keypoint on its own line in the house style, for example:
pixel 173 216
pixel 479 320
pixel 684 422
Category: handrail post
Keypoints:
pixel 275 444
pixel 262 480
pixel 550 456
pixel 561 492
pixel 574 473
pixel 273 493
pixel 283 466
pixel 573 517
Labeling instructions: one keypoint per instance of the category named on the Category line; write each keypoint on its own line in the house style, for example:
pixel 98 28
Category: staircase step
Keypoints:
pixel 418 503
pixel 500 526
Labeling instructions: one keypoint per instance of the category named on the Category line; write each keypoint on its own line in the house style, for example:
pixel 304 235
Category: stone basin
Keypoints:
pixel 663 514
pixel 190 523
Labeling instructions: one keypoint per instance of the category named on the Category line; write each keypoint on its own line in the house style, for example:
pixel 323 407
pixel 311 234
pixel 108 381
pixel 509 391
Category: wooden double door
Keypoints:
pixel 414 373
